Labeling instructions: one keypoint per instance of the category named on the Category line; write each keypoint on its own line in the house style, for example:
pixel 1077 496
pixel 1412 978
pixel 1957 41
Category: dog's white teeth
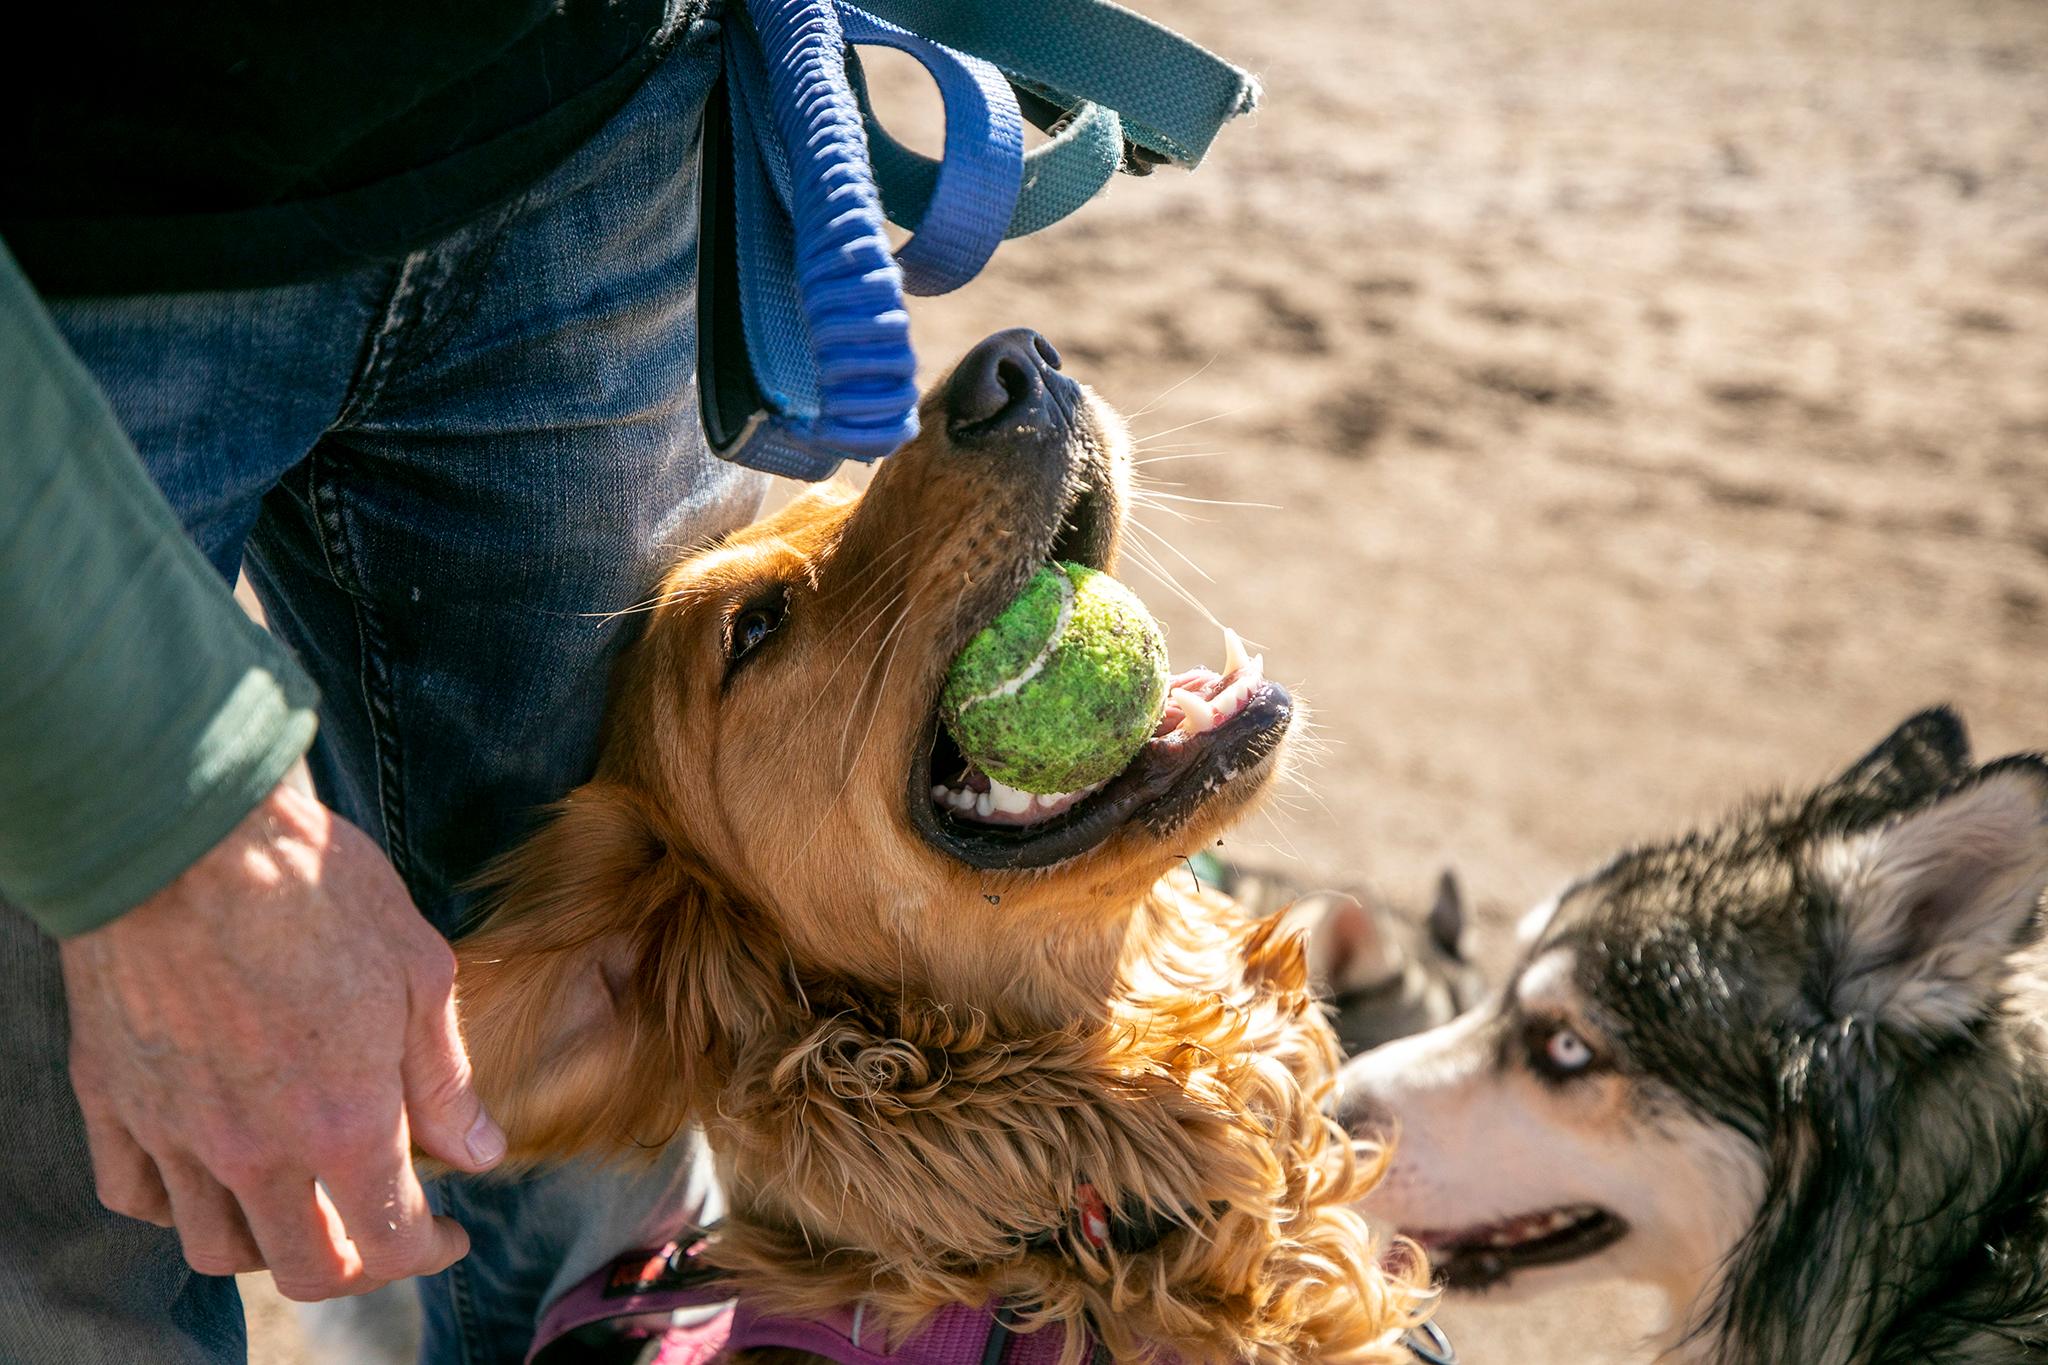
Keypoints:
pixel 1003 805
pixel 1008 799
pixel 1231 699
pixel 1234 656
pixel 1196 715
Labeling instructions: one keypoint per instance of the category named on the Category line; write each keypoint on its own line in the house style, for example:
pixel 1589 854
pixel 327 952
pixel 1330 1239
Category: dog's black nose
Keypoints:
pixel 1001 380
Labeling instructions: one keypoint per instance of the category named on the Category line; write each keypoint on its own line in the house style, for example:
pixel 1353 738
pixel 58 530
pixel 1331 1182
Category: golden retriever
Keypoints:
pixel 928 1034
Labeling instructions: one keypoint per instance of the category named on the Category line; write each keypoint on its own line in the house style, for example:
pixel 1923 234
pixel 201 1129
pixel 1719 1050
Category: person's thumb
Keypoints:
pixel 448 1120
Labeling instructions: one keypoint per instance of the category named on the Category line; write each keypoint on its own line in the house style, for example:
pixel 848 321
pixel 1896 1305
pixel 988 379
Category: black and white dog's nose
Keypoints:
pixel 1003 380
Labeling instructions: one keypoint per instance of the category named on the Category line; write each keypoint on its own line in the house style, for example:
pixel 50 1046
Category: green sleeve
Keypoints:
pixel 142 714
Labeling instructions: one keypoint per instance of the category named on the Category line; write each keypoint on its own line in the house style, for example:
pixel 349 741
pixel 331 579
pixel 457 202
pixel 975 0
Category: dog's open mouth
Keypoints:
pixel 1198 702
pixel 1486 1255
pixel 1216 727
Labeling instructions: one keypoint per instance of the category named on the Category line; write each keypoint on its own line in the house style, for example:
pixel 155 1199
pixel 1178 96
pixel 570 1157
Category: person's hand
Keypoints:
pixel 256 1048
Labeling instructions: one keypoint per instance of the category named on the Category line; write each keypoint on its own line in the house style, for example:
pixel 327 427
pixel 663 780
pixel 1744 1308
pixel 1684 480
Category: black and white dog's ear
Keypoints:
pixel 1447 916
pixel 1934 902
pixel 1927 752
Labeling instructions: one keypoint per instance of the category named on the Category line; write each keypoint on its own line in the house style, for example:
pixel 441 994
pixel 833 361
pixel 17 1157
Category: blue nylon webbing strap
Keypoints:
pixel 1173 96
pixel 1060 176
pixel 806 358
pixel 972 192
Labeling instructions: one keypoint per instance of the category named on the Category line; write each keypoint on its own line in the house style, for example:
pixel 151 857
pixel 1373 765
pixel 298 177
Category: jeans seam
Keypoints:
pixel 337 548
pixel 379 351
pixel 461 288
pixel 469 1326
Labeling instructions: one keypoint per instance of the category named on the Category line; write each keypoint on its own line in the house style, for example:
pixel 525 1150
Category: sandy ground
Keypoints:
pixel 1652 397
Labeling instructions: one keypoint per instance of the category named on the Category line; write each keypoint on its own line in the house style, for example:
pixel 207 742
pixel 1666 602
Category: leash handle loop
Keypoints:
pixel 806 359
pixel 1071 168
pixel 1172 96
pixel 966 199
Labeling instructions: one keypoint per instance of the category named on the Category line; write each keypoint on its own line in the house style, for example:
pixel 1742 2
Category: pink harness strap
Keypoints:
pixel 671 1294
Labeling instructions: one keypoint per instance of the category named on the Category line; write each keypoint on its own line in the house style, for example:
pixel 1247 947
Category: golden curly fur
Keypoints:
pixel 907 1066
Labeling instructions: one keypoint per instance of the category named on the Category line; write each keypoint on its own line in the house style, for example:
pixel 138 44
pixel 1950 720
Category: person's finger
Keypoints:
pixel 302 1239
pixel 448 1120
pixel 216 1237
pixel 378 1197
pixel 123 1174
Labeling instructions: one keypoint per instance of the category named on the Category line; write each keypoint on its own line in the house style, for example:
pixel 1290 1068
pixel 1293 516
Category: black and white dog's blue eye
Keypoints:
pixel 1566 1051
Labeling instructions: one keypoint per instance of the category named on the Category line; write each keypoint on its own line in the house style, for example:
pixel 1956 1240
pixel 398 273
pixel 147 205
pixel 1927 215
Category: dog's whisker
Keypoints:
pixel 873 619
pixel 1166 543
pixel 1139 443
pixel 859 692
pixel 1217 502
pixel 655 603
pixel 1175 387
pixel 885 658
pixel 1146 560
pixel 897 555
pixel 877 578
pixel 882 651
pixel 891 555
pixel 1174 450
pixel 1141 498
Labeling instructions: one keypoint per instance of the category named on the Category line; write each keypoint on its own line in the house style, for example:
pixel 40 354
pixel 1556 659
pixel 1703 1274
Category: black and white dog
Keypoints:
pixel 1792 1068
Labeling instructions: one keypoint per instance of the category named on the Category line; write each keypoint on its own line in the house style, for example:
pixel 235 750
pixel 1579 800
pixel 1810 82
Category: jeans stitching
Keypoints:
pixel 461 288
pixel 330 523
pixel 378 352
pixel 469 1324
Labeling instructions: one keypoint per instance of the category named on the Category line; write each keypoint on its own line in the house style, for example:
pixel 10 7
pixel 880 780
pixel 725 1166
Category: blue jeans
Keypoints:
pixel 442 477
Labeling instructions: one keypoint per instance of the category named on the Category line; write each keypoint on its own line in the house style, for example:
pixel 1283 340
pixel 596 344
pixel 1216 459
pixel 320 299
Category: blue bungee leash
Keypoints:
pixel 804 339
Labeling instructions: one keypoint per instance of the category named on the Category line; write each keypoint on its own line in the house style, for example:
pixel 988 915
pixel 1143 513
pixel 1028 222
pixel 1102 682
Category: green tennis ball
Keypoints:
pixel 1063 688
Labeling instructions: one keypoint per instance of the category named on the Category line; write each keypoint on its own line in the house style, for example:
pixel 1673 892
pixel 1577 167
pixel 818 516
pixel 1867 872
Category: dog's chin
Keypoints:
pixel 1528 1253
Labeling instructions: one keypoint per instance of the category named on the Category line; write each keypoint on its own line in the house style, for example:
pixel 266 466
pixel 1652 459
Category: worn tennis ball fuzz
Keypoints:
pixel 1063 688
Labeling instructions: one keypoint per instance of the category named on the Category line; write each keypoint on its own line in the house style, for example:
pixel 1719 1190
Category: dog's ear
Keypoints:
pixel 606 989
pixel 1934 902
pixel 1926 753
pixel 1447 916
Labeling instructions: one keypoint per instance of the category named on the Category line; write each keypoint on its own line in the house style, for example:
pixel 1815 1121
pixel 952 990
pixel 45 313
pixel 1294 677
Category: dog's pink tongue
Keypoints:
pixel 1201 699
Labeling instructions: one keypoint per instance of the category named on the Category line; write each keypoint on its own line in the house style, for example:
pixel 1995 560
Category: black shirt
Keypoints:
pixel 150 146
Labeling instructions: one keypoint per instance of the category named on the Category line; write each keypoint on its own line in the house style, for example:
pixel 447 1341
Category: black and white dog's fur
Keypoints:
pixel 1793 1068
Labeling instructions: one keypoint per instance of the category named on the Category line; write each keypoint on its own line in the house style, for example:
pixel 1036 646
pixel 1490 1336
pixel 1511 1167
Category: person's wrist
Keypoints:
pixel 286 826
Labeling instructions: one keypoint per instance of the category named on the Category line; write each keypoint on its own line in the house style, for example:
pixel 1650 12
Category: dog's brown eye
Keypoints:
pixel 748 627
pixel 751 629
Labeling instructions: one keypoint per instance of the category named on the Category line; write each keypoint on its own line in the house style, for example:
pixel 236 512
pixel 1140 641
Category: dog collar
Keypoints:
pixel 672 1296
